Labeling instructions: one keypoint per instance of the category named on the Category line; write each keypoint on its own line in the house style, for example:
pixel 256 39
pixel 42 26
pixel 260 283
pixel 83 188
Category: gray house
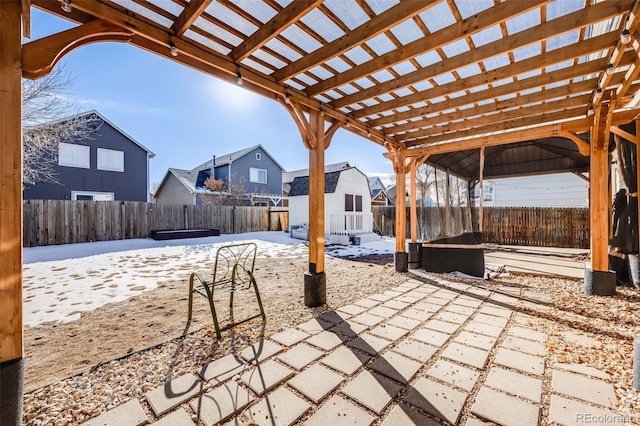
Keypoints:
pixel 251 174
pixel 109 166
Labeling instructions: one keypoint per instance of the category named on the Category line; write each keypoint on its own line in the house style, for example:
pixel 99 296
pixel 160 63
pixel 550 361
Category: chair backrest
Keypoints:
pixel 234 265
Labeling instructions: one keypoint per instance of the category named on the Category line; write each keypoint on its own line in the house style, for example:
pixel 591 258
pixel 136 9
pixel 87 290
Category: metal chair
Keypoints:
pixel 232 271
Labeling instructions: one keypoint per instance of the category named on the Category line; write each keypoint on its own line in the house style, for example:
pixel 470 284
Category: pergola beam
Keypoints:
pixel 287 16
pixel 570 22
pixel 472 25
pixel 189 14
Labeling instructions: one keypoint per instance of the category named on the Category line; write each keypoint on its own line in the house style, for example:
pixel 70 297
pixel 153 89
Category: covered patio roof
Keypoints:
pixel 422 76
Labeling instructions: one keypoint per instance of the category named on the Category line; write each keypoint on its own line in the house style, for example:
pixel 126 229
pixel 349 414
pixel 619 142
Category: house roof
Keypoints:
pixel 225 159
pixel 375 183
pixel 376 192
pixel 186 177
pixel 300 184
pixel 150 154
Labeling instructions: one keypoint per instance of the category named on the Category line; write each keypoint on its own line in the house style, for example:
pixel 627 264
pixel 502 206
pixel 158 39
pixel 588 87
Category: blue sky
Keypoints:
pixel 185 116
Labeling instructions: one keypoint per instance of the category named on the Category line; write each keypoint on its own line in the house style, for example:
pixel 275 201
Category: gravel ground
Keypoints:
pixel 552 305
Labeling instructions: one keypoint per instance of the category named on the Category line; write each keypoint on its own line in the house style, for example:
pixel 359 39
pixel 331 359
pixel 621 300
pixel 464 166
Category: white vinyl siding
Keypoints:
pixel 111 160
pixel 257 175
pixel 72 155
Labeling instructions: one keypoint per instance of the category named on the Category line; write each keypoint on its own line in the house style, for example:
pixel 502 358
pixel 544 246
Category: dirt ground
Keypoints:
pixel 54 351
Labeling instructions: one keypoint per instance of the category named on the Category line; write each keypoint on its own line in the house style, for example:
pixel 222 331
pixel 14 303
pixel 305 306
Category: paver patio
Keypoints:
pixel 417 354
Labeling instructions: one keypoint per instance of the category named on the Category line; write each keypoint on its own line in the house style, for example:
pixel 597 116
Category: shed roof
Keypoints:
pixel 300 184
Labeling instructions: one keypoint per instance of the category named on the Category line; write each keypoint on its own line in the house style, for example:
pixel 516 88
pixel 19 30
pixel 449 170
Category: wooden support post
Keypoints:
pixel 638 174
pixel 413 209
pixel 11 344
pixel 481 183
pixel 599 280
pixel 401 255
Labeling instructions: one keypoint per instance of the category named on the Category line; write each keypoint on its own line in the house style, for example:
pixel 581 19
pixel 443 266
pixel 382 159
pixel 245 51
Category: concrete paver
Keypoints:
pixel 383 297
pixel 396 366
pixel 436 300
pixel 315 326
pixel 454 374
pixel 491 320
pixel 128 414
pixel 416 350
pixel 470 302
pixel 289 337
pixel 406 416
pixel 504 409
pixel 279 408
pixel 495 311
pixel 585 388
pixel 523 345
pixel 417 314
pixel 300 356
pixel 171 394
pixel 367 319
pixel 451 317
pixel 515 383
pixel 338 412
pixel 527 333
pixel 367 303
pixel 436 399
pixel 383 311
pixel 395 304
pixel 520 361
pixel 431 337
pixel 345 360
pixel 466 354
pixel 373 391
pixel 177 418
pixel 221 403
pixel 486 329
pixel 580 339
pixel 567 412
pixel 459 309
pixel 334 317
pixel 223 368
pixel 261 350
pixel 326 340
pixel 410 298
pixel 369 343
pixel 348 328
pixel 442 326
pixel 583 369
pixel 352 309
pixel 389 331
pixel 404 322
pixel 266 376
pixel 316 382
pixel 476 340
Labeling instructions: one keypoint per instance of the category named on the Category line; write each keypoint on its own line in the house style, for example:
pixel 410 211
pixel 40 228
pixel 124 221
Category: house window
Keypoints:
pixel 95 196
pixel 72 155
pixel 111 160
pixel 352 203
pixel 257 175
pixel 258 156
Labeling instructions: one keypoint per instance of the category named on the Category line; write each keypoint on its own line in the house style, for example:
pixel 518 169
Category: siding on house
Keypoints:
pixel 130 185
pixel 176 192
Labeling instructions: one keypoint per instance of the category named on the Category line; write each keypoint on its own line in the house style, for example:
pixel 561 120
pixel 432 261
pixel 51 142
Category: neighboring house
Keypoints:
pixel 288 177
pixel 347 206
pixel 109 166
pixel 554 190
pixel 251 174
pixel 391 195
pixel 378 192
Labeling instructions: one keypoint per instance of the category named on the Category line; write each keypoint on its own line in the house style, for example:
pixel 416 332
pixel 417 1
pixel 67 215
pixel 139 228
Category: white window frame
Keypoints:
pixel 80 155
pixel 254 175
pixel 102 196
pixel 114 165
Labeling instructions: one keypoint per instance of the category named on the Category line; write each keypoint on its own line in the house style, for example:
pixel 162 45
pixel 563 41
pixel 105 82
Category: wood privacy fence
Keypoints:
pixel 49 222
pixel 536 226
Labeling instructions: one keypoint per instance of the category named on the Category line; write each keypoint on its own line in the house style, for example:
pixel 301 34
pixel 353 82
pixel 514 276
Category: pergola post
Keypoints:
pixel 599 280
pixel 401 255
pixel 413 213
pixel 315 283
pixel 11 351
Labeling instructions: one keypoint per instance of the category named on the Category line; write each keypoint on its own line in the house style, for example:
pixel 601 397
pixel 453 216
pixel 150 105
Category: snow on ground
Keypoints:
pixel 59 282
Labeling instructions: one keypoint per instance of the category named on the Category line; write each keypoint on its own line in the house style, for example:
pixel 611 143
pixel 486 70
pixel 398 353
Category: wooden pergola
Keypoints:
pixel 420 77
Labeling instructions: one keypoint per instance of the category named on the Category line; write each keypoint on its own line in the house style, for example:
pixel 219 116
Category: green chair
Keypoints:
pixel 232 271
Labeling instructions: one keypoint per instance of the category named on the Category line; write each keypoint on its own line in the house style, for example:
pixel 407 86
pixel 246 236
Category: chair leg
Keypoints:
pixel 191 296
pixel 255 287
pixel 213 310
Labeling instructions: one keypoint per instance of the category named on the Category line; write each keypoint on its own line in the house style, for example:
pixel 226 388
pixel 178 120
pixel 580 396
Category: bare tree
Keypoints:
pixel 45 104
pixel 223 193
